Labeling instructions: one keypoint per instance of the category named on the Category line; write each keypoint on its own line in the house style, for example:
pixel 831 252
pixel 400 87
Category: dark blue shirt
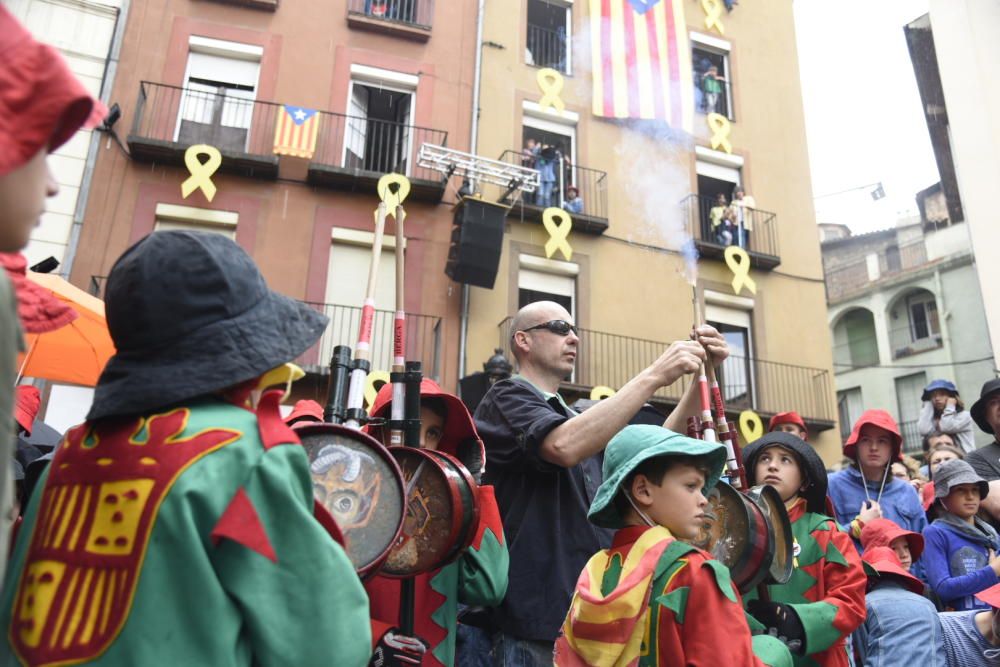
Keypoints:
pixel 543 506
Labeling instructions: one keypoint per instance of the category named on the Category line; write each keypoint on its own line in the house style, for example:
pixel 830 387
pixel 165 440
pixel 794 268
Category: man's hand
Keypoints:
pixel 398 650
pixel 713 342
pixel 683 357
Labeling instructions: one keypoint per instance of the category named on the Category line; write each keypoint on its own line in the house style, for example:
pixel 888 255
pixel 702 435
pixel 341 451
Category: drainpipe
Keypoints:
pixel 463 326
pixel 110 69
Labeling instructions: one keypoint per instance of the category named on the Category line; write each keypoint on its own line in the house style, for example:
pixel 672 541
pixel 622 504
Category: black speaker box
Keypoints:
pixel 476 243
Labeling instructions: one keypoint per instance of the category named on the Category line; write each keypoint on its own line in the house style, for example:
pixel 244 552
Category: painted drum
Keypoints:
pixel 442 512
pixel 358 482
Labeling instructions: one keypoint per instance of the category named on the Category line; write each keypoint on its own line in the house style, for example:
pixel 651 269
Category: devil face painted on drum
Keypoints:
pixel 346 483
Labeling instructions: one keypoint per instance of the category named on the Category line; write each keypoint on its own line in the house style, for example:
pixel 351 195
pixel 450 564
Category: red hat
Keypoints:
pixel 787 418
pixel 305 410
pixel 26 404
pixel 884 561
pixel 42 104
pixel 881 533
pixel 990 596
pixel 927 495
pixel 879 418
pixel 37 307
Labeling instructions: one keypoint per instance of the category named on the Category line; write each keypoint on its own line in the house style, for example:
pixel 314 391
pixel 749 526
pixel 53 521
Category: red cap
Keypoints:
pixel 882 532
pixel 927 495
pixel 879 418
pixel 305 410
pixel 42 104
pixel 990 596
pixel 787 418
pixel 884 561
pixel 26 404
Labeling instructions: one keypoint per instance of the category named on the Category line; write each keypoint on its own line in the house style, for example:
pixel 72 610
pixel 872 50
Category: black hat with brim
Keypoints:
pixel 812 465
pixel 190 314
pixel 978 409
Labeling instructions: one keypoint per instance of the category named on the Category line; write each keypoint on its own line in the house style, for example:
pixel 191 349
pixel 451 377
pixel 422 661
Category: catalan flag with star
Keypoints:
pixel 642 61
pixel 295 131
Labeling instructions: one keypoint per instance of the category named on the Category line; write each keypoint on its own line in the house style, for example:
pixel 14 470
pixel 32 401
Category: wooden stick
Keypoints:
pixel 398 338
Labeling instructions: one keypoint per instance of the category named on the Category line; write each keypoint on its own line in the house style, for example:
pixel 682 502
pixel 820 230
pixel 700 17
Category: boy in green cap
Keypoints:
pixel 652 599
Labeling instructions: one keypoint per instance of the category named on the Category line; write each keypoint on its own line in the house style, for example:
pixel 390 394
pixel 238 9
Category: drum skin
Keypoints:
pixel 442 512
pixel 359 482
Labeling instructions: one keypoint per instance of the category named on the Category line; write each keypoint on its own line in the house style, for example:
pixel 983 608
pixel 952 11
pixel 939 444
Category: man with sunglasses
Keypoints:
pixel 544 460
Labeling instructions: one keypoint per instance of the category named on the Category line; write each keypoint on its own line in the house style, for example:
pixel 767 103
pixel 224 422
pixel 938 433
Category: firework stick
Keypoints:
pixel 362 352
pixel 398 339
pixel 707 427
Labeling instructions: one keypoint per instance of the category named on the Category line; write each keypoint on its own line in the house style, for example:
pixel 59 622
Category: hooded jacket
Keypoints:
pixel 956 560
pixel 477 578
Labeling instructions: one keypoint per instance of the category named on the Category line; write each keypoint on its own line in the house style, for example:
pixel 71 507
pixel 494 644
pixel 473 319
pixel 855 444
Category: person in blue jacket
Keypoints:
pixel 960 552
pixel 866 489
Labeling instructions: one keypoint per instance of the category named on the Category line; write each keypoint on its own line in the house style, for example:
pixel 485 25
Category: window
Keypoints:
pixel 908 391
pixel 923 316
pixel 556 158
pixel 380 109
pixel 713 92
pixel 849 408
pixel 915 325
pixel 736 373
pixel 855 344
pixel 540 279
pixel 172 216
pixel 549 35
pixel 220 87
pixel 718 175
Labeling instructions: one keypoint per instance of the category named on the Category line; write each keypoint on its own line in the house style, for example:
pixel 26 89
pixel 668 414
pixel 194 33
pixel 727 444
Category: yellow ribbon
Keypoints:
pixel 371 391
pixel 393 196
pixel 738 262
pixel 558 224
pixel 720 127
pixel 551 82
pixel 201 172
pixel 751 427
pixel 713 11
pixel 600 391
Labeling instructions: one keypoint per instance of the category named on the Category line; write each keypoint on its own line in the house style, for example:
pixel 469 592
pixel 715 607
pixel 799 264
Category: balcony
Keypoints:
pixel 767 387
pixel 168 119
pixel 266 5
pixel 547 48
pixel 860 274
pixel 592 185
pixel 410 19
pixel 761 237
pixel 423 336
pixel 353 153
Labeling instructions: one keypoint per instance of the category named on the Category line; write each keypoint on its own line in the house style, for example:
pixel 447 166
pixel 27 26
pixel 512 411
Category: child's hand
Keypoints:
pixel 869 510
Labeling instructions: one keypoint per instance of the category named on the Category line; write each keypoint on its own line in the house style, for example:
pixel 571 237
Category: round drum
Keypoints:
pixel 442 512
pixel 356 479
pixel 740 532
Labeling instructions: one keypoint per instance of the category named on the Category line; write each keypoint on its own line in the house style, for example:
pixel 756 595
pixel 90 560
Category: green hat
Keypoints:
pixel 633 445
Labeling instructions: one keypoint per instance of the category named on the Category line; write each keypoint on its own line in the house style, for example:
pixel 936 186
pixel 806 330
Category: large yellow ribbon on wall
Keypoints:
pixel 393 196
pixel 720 127
pixel 551 83
pixel 713 12
pixel 601 392
pixel 371 391
pixel 751 426
pixel 558 224
pixel 201 172
pixel 738 261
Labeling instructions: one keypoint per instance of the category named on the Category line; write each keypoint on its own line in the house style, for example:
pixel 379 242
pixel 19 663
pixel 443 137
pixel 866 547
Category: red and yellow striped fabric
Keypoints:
pixel 642 61
pixel 295 131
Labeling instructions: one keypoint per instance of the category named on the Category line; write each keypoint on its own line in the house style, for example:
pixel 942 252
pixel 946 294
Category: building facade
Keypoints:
pixel 647 190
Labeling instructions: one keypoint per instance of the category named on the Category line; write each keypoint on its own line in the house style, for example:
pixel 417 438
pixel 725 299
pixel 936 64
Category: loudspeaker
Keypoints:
pixel 476 242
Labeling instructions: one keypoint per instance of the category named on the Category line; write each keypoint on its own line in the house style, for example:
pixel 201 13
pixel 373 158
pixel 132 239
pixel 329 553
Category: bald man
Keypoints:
pixel 544 461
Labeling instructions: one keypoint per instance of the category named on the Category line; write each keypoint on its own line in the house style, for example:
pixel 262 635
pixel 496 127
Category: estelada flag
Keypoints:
pixel 295 131
pixel 642 61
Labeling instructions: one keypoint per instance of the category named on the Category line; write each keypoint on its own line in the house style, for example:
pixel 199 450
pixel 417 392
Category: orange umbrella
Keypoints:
pixel 75 353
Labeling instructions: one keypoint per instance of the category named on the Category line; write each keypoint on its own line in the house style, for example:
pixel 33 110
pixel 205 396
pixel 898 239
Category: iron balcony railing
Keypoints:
pixel 861 351
pixel 858 274
pixel 378 146
pixel 605 359
pixel 591 184
pixel 547 48
pixel 416 13
pixel 423 335
pixel 913 442
pixel 759 227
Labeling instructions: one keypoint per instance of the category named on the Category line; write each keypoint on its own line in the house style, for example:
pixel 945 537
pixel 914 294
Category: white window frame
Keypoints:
pixel 568 6
pixel 175 216
pixel 383 79
pixel 719 47
pixel 735 311
pixel 925 298
pixel 534 116
pixel 542 274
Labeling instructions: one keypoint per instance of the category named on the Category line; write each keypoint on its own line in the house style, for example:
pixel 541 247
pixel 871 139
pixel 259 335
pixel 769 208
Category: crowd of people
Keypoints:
pixel 181 523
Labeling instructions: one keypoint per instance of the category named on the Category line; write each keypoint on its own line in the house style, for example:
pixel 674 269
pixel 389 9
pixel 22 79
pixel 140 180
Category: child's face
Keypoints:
pixel 22 201
pixel 777 467
pixel 899 471
pixel 902 549
pixel 939 457
pixel 939 397
pixel 677 502
pixel 963 500
pixel 431 429
pixel 794 429
pixel 874 446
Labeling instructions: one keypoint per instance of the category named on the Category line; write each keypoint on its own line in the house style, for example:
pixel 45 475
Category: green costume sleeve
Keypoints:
pixel 301 601
pixel 483 567
pixel 771 651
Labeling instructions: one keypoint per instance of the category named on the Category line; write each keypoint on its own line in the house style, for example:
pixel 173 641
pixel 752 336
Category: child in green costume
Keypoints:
pixel 652 599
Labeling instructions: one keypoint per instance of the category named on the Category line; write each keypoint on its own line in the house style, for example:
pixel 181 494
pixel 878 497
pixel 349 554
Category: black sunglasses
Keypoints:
pixel 559 327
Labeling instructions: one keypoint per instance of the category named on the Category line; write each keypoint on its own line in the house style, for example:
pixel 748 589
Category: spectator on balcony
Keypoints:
pixel 743 205
pixel 544 461
pixel 721 217
pixel 573 203
pixel 986 460
pixel 711 86
pixel 943 412
pixel 530 153
pixel 546 162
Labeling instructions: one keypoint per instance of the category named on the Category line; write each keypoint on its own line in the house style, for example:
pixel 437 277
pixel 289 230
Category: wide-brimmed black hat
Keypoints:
pixel 190 314
pixel 978 410
pixel 811 464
